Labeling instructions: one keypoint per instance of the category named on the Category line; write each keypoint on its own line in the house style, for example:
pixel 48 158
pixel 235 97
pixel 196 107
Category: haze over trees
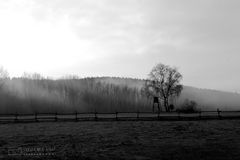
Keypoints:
pixel 3 76
pixel 32 93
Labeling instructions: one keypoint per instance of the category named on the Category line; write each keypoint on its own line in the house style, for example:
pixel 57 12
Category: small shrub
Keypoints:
pixel 171 107
pixel 188 107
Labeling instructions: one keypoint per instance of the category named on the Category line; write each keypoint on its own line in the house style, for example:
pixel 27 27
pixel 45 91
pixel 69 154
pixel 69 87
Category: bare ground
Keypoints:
pixel 215 139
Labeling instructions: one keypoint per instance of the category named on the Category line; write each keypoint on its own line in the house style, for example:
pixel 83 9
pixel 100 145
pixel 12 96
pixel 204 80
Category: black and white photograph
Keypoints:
pixel 119 79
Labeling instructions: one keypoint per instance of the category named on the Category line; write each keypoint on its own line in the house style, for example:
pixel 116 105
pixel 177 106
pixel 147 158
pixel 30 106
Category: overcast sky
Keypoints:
pixel 124 38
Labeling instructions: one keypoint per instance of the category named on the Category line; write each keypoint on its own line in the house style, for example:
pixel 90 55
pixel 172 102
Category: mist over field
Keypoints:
pixel 101 94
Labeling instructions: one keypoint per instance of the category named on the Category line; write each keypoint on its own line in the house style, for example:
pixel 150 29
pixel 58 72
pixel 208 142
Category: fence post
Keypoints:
pixel 56 118
pixel 16 117
pixel 219 114
pixel 36 119
pixel 137 115
pixel 200 114
pixel 76 116
pixel 158 114
pixel 96 118
pixel 116 116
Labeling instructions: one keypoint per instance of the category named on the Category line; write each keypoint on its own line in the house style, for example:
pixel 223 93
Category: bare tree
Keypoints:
pixel 164 82
pixel 33 76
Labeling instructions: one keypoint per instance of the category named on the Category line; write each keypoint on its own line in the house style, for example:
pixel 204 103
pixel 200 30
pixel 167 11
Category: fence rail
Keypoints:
pixel 118 116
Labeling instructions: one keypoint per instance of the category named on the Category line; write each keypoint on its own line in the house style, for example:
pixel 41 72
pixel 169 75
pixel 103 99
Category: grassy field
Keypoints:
pixel 215 139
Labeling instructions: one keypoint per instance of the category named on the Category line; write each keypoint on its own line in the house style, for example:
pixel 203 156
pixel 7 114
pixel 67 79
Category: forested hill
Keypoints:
pixel 102 94
pixel 206 98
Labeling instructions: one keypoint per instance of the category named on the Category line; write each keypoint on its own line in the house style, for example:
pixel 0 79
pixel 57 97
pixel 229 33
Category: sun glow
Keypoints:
pixel 29 45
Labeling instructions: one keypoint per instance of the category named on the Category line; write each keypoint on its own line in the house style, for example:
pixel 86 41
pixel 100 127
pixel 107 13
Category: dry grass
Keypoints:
pixel 216 139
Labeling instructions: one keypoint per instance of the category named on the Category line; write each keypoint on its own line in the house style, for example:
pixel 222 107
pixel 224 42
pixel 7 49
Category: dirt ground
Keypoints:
pixel 215 139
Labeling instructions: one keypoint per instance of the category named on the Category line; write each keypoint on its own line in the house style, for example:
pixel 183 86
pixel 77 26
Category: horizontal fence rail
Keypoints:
pixel 119 116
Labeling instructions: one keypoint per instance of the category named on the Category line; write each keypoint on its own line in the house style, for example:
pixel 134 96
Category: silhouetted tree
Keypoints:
pixel 164 82
pixel 34 76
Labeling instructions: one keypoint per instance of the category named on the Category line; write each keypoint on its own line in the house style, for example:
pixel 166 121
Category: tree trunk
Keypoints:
pixel 166 104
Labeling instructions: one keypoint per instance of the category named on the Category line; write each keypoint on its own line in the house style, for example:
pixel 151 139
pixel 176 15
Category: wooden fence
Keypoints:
pixel 118 116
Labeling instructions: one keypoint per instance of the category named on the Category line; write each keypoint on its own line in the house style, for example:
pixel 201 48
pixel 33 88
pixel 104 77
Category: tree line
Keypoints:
pixel 35 93
pixel 31 95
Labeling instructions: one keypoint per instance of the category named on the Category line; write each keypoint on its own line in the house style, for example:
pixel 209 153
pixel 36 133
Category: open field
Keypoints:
pixel 215 139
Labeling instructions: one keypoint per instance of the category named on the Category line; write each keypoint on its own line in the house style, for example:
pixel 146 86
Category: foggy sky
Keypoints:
pixel 123 38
